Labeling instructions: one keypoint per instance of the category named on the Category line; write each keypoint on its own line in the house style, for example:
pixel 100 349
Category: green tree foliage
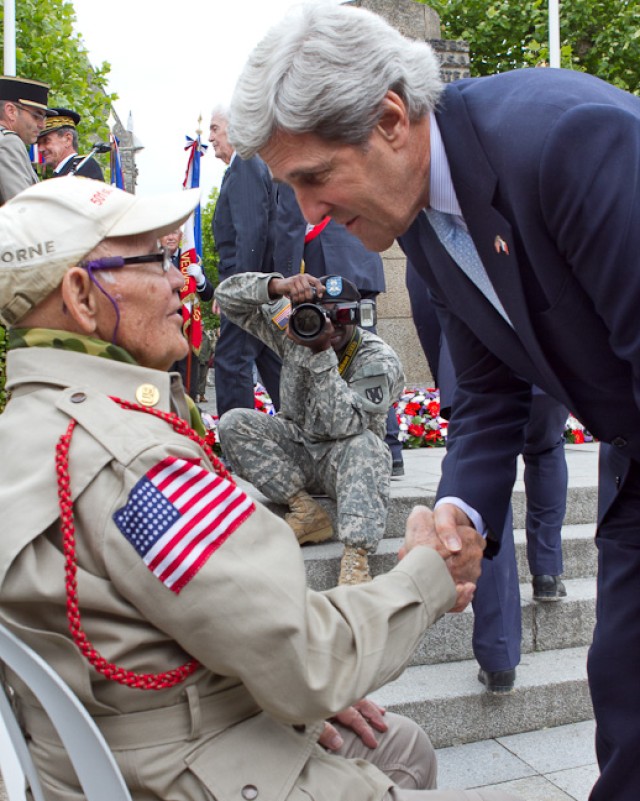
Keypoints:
pixel 209 257
pixel 48 49
pixel 601 37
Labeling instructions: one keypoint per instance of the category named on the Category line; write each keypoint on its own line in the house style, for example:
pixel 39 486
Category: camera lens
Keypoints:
pixel 307 321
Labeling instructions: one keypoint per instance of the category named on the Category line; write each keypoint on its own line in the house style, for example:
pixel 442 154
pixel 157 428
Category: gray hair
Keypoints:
pixel 325 69
pixel 220 111
pixel 74 135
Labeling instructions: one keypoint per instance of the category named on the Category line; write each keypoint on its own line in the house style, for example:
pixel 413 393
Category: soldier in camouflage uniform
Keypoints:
pixel 335 392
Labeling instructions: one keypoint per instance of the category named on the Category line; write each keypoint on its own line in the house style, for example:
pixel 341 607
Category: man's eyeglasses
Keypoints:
pixel 38 116
pixel 115 262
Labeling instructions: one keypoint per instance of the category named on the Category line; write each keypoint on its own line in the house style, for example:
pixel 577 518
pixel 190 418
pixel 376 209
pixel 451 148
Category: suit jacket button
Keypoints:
pixel 249 792
pixel 78 397
pixel 619 442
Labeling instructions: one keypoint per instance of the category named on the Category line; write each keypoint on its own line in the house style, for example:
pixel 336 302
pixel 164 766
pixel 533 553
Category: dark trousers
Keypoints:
pixel 194 375
pixel 393 427
pixel 236 354
pixel 497 627
pixel 614 657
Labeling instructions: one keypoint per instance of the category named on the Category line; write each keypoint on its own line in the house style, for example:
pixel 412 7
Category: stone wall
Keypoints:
pixel 395 325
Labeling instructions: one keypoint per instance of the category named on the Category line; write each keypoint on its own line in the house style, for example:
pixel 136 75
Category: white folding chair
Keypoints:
pixel 91 757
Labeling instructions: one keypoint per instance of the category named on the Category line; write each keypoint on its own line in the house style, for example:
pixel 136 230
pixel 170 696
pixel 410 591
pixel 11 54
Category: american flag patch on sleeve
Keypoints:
pixel 282 314
pixel 177 515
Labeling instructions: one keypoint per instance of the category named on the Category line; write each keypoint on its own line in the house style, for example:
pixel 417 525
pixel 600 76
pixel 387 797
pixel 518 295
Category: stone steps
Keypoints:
pixel 440 689
pixel 579 553
pixel 452 706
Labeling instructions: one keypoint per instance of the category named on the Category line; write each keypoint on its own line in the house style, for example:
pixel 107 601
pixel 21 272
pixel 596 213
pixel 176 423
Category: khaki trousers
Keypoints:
pixel 405 754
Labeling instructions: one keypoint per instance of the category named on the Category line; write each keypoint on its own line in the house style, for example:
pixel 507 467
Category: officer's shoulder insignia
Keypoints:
pixel 281 314
pixel 178 515
pixel 334 286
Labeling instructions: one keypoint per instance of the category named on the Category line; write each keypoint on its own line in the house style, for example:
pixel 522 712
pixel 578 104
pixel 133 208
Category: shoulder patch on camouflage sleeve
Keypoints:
pixel 177 515
pixel 282 312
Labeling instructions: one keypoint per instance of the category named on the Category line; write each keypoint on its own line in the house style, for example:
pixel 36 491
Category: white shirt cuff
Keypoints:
pixel 476 519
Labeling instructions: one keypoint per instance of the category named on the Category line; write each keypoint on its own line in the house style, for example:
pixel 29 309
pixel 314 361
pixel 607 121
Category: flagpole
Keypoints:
pixel 554 33
pixel 198 245
pixel 9 37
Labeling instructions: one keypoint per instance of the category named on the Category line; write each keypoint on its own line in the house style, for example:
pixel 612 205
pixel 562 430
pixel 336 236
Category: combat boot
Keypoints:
pixel 309 521
pixel 354 567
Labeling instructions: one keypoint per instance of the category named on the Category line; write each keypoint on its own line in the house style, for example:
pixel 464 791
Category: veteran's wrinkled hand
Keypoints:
pixel 363 718
pixel 449 532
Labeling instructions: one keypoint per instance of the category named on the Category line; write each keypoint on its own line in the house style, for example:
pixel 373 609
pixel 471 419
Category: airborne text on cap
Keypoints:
pixel 23 254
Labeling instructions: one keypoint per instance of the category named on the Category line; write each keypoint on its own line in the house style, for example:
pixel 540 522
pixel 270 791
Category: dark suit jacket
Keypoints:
pixel 244 219
pixel 548 161
pixel 333 252
pixel 90 169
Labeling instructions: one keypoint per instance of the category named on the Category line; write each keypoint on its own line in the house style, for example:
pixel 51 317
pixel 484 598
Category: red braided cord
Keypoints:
pixel 140 681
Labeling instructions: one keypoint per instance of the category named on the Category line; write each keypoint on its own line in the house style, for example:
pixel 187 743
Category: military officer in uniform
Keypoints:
pixel 335 391
pixel 194 642
pixel 23 111
pixel 58 145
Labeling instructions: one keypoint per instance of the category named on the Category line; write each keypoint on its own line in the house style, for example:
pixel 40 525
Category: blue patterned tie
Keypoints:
pixel 458 243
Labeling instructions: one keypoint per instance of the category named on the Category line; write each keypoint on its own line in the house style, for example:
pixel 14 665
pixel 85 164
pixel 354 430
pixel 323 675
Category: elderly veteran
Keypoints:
pixel 184 586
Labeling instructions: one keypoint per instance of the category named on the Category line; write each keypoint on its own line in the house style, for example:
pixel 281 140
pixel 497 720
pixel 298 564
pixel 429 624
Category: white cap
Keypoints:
pixel 53 225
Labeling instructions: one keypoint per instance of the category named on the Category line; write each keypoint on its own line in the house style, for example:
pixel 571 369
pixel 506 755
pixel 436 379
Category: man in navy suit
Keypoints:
pixel 497 624
pixel 328 249
pixel 243 231
pixel 540 168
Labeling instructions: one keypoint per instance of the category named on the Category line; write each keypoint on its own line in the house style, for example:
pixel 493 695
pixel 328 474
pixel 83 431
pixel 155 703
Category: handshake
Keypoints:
pixel 449 532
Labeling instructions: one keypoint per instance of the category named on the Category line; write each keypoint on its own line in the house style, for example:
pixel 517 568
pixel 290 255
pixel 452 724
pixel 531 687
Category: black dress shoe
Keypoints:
pixel 498 681
pixel 397 467
pixel 548 588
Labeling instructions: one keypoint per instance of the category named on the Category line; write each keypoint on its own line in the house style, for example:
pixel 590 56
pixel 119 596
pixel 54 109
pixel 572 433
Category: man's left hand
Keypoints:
pixel 196 271
pixel 362 718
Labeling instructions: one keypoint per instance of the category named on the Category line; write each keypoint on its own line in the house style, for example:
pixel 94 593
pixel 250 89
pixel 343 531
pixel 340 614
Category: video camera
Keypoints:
pixel 307 320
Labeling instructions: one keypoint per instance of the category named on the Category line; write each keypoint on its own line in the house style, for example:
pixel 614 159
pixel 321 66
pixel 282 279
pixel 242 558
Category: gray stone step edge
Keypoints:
pixel 579 556
pixel 545 626
pixel 449 702
pixel 581 505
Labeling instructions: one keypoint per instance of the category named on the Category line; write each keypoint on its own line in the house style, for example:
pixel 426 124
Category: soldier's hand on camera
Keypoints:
pixel 301 288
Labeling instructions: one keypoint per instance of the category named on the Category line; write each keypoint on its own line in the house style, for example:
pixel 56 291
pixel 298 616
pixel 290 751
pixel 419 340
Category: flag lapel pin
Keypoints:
pixel 500 246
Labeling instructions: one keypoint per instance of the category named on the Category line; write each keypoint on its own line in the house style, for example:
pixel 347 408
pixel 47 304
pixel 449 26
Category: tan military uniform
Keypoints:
pixel 16 172
pixel 276 657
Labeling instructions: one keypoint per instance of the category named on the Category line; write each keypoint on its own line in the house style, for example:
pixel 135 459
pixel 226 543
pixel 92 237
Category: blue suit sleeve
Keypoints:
pixel 250 207
pixel 291 227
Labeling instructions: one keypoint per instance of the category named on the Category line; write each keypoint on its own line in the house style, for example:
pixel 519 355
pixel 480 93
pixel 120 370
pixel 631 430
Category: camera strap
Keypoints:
pixel 350 352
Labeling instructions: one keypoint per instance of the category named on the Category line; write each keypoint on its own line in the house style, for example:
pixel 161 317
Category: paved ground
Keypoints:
pixel 556 764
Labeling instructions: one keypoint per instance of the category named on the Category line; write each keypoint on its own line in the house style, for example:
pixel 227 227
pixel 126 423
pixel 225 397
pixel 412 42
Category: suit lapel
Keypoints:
pixel 475 183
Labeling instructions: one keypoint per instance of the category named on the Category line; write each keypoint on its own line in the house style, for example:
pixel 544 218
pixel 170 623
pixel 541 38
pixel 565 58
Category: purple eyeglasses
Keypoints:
pixel 115 263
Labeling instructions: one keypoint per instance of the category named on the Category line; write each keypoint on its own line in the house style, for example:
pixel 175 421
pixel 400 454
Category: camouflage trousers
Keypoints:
pixel 276 457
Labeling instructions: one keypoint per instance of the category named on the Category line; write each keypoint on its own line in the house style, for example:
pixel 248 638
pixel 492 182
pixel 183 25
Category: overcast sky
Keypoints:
pixel 170 63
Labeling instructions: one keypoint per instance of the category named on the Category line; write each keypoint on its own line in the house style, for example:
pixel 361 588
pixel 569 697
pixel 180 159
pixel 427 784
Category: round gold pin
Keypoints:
pixel 147 395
